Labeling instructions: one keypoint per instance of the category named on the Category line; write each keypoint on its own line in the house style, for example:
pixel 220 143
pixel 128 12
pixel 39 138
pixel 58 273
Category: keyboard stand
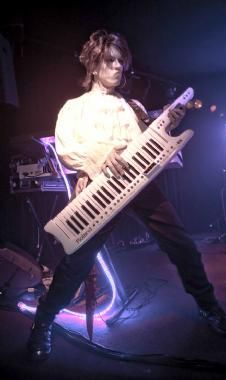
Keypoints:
pixel 123 297
pixel 40 243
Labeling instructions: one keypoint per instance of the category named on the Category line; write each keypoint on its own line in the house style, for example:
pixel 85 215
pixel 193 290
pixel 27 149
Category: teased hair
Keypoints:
pixel 94 49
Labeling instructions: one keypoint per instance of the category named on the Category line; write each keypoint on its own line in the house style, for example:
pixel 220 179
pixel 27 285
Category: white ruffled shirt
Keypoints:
pixel 89 126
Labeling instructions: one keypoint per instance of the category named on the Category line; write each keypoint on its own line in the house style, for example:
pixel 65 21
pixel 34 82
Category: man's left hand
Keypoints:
pixel 176 115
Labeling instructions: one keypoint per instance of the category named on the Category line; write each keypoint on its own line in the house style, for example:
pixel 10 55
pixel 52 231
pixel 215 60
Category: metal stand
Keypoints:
pixel 40 242
pixel 123 297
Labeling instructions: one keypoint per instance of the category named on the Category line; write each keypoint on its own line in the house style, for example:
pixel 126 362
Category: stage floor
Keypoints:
pixel 159 335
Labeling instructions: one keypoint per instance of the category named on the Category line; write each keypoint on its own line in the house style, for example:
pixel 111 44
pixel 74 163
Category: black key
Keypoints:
pixel 72 226
pixel 107 193
pixel 156 144
pixel 92 207
pixel 149 168
pixel 102 196
pixel 79 216
pixel 143 158
pixel 114 187
pixel 76 222
pixel 88 212
pixel 118 182
pixel 99 201
pixel 148 152
pixel 138 162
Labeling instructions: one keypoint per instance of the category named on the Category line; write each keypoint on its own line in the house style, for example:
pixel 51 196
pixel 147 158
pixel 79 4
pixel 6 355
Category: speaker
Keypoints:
pixel 18 272
pixel 8 87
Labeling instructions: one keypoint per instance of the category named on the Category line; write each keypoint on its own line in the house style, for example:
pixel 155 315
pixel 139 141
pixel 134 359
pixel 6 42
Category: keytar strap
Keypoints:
pixel 141 114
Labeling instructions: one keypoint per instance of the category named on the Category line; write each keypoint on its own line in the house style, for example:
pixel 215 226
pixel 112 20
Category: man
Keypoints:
pixel 91 132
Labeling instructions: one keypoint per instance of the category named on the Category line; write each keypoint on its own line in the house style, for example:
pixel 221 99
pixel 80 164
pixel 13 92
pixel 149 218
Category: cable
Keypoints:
pixel 154 359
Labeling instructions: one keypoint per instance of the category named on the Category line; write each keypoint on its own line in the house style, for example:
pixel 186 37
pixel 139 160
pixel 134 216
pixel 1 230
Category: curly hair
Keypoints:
pixel 94 50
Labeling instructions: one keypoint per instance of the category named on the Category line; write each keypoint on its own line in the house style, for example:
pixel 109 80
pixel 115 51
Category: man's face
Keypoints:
pixel 110 69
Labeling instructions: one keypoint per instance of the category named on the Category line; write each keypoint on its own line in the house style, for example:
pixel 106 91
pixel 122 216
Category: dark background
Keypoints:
pixel 175 44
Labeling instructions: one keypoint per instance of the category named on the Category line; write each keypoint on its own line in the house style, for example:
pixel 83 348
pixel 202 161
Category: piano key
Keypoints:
pixel 79 203
pixel 79 216
pixel 149 168
pixel 148 152
pixel 109 188
pixel 138 162
pixel 131 162
pixel 130 173
pixel 72 226
pixel 94 209
pixel 79 225
pixel 103 197
pixel 107 193
pixel 132 168
pixel 63 227
pixel 147 162
pixel 156 144
pixel 110 182
pixel 126 178
pixel 138 150
pixel 119 183
pixel 88 212
pixel 72 208
pixel 99 201
pixel 152 148
pixel 89 196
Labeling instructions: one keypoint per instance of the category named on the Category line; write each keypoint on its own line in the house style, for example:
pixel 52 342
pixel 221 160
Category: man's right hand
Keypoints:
pixel 81 183
pixel 114 162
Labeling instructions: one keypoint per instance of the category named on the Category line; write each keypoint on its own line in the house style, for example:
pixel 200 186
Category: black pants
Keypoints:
pixel 160 217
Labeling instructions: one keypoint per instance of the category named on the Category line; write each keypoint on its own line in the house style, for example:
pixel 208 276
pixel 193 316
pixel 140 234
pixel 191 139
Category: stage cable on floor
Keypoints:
pixel 148 359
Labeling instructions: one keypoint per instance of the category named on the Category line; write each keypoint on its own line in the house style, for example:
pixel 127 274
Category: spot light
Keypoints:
pixel 213 108
pixel 189 105
pixel 198 103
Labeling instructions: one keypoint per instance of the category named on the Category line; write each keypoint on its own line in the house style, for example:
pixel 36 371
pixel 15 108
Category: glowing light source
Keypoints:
pixel 198 103
pixel 189 105
pixel 213 108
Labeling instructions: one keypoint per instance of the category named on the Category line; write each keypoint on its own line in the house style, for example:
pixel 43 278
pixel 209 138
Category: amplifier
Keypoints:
pixel 36 184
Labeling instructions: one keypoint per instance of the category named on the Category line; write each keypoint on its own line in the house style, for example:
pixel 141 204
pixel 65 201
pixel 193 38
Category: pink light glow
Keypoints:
pixel 99 314
pixel 47 140
pixel 61 170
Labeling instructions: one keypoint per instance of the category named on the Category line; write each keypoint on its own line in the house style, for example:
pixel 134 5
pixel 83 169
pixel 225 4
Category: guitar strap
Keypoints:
pixel 141 114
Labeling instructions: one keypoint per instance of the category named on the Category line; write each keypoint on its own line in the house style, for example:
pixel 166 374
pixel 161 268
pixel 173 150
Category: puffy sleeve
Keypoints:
pixel 77 149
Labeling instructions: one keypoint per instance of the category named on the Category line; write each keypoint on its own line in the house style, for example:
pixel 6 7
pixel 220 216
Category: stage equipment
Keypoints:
pixel 92 209
pixel 41 174
pixel 18 272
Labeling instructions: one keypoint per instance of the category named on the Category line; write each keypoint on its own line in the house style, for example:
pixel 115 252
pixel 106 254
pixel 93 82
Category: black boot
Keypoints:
pixel 216 318
pixel 40 341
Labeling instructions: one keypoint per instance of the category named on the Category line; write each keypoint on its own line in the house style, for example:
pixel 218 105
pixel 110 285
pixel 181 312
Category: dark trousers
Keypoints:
pixel 160 217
